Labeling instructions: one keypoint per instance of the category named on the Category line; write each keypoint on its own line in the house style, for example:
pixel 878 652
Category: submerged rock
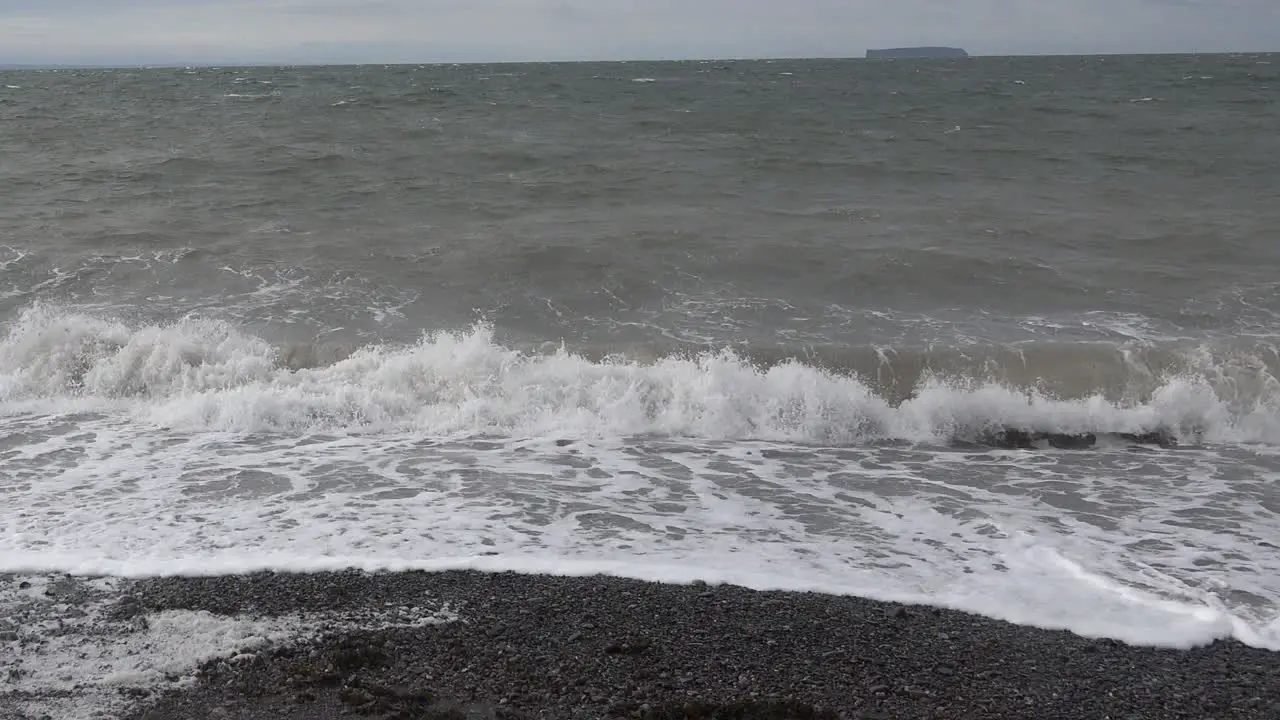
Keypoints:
pixel 1023 439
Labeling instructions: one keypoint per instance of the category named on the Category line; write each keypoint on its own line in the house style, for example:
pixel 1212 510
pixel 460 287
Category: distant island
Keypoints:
pixel 918 52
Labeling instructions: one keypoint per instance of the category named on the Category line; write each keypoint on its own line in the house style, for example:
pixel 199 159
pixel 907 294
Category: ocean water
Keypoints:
pixel 737 321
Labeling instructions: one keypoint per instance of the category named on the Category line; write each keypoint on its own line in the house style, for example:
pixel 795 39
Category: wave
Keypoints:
pixel 197 374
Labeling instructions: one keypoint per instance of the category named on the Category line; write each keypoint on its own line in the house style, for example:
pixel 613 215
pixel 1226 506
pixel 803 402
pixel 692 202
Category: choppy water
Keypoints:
pixel 745 321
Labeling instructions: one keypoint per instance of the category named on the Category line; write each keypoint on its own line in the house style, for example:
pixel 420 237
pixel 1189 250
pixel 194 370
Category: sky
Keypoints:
pixel 378 31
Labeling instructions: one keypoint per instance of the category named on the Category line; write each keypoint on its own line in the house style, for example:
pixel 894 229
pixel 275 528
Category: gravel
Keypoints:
pixel 530 646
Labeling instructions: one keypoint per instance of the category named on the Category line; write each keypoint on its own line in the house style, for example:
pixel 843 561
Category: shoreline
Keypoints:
pixel 535 646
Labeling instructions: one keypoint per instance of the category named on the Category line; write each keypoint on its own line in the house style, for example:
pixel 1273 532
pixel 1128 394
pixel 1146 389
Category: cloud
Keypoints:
pixel 464 30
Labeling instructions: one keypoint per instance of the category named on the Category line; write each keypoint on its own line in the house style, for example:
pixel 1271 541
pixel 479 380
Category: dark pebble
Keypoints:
pixel 668 654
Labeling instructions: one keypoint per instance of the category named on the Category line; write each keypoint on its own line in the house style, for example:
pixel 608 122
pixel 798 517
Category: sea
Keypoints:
pixel 996 334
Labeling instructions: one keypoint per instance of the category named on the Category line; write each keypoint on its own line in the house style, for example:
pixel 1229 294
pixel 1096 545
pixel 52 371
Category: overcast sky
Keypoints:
pixel 189 31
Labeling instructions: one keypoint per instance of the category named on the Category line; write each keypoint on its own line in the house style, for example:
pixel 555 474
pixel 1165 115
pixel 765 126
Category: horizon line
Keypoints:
pixel 174 64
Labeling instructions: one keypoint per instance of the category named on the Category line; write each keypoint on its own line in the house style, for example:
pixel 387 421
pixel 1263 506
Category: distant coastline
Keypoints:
pixel 45 66
pixel 918 52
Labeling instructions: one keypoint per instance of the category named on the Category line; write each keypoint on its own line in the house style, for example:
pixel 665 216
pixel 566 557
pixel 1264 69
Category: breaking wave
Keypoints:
pixel 200 375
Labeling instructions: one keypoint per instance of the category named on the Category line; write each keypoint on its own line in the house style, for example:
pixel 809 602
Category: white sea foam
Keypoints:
pixel 252 96
pixel 189 448
pixel 71 657
pixel 204 375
